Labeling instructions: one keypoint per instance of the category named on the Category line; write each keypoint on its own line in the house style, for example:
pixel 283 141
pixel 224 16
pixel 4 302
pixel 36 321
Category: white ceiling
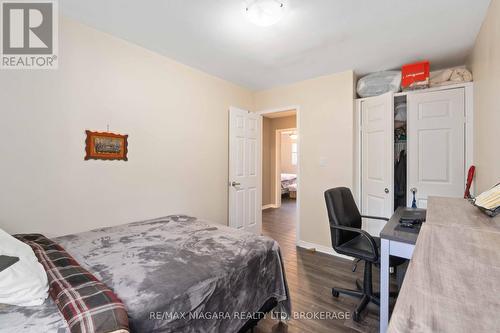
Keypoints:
pixel 316 37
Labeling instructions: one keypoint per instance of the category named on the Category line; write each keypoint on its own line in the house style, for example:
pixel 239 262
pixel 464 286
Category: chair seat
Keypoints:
pixel 360 247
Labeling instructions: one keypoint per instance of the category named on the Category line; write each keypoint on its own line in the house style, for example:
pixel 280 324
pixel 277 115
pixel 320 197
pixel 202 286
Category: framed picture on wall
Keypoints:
pixel 105 146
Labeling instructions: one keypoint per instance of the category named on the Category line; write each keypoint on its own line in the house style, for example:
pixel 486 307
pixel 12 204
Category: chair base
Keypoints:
pixel 364 292
pixel 365 299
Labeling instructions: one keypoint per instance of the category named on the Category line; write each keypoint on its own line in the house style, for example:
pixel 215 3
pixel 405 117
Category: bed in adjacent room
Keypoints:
pixel 288 182
pixel 171 273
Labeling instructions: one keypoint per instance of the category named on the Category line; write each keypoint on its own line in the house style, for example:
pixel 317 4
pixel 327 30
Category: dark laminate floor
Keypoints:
pixel 310 279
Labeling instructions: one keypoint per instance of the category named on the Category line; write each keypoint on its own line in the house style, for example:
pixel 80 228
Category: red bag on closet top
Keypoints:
pixel 415 75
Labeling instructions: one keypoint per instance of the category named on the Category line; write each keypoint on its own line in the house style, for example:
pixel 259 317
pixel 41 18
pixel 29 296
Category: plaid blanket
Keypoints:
pixel 87 305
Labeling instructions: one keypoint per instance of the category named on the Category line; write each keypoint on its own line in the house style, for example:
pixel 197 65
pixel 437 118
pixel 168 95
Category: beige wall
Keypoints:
pixel 176 118
pixel 326 143
pixel 270 125
pixel 485 65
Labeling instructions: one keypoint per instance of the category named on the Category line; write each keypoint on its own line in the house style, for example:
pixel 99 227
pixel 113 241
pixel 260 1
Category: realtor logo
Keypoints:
pixel 29 34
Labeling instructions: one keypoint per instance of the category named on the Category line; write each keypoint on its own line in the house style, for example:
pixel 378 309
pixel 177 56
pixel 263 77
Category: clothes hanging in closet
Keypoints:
pixel 400 181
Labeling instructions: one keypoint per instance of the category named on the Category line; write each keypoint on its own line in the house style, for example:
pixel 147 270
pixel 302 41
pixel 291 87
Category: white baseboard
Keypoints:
pixel 270 206
pixel 322 249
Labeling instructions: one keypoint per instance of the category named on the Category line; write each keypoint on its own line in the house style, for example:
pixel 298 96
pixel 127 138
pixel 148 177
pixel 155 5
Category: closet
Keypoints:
pixel 417 141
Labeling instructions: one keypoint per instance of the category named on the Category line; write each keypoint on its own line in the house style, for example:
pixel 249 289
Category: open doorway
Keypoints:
pixel 280 173
pixel 285 171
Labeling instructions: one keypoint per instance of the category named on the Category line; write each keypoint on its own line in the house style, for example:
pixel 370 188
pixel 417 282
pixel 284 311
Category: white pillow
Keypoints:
pixel 25 282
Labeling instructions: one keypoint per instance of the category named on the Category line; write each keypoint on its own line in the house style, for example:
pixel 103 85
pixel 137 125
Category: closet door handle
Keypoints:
pixel 386 190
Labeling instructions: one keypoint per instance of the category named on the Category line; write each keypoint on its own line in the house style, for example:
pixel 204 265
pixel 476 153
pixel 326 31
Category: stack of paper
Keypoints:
pixel 489 199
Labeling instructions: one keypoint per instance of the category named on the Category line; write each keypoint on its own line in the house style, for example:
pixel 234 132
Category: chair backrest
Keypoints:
pixel 342 211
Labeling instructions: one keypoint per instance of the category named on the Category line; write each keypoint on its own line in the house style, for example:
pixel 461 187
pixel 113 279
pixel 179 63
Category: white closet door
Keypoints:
pixel 377 167
pixel 436 148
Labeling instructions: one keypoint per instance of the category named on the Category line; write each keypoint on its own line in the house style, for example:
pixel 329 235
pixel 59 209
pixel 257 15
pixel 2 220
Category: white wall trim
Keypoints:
pixel 270 206
pixel 357 153
pixel 469 132
pixel 439 88
pixel 277 110
pixel 322 249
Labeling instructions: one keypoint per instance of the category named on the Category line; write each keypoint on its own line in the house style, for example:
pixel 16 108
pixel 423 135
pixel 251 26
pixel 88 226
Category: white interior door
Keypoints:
pixel 436 144
pixel 245 168
pixel 377 166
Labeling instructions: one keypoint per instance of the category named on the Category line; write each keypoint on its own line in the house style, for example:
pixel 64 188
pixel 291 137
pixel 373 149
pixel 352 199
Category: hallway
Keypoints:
pixel 310 276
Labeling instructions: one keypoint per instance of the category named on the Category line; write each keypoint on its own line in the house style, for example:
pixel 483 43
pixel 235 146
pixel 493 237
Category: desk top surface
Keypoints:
pixel 461 214
pixel 392 233
pixel 452 281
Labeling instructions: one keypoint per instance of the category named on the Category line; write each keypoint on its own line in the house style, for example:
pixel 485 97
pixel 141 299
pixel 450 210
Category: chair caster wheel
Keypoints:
pixel 335 293
pixel 356 317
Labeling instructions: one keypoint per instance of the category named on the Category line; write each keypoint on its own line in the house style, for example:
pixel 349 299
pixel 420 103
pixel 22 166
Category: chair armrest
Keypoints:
pixel 363 233
pixel 375 217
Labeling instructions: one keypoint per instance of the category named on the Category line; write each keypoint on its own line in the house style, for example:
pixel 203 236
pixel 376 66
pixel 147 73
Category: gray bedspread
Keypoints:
pixel 173 274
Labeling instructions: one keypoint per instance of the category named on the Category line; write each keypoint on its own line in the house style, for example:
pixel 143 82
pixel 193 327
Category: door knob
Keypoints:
pixel 413 190
pixel 234 184
pixel 386 190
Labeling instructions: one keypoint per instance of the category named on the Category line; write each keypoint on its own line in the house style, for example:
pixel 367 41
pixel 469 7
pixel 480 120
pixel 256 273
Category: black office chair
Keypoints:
pixel 349 239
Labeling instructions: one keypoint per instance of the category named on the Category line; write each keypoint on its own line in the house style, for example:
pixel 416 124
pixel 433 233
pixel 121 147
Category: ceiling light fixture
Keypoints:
pixel 265 13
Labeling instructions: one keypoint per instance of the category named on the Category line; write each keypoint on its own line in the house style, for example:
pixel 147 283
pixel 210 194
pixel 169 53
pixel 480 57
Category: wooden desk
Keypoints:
pixel 460 213
pixel 453 281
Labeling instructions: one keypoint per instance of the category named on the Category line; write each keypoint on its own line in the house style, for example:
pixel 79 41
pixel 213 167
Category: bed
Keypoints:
pixel 289 184
pixel 170 266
